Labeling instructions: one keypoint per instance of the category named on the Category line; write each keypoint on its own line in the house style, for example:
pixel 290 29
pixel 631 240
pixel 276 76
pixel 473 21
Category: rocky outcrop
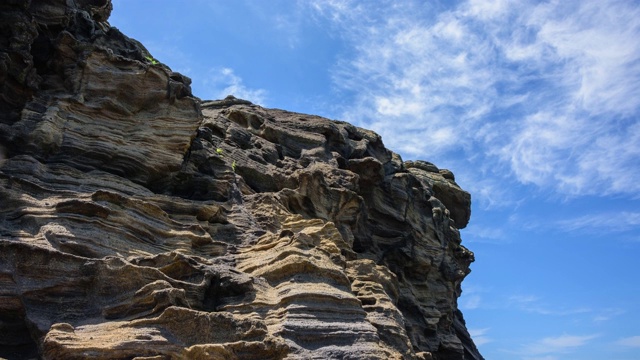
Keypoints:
pixel 140 222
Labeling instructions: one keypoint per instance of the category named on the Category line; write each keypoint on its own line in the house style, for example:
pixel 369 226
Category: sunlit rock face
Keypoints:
pixel 137 221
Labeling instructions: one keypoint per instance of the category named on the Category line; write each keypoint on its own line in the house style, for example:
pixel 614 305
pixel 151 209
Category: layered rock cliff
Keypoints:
pixel 137 221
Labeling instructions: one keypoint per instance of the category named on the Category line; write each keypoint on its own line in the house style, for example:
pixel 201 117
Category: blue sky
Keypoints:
pixel 535 106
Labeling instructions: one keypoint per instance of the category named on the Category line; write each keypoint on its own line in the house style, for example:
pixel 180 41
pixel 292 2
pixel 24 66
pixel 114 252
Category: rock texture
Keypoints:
pixel 138 222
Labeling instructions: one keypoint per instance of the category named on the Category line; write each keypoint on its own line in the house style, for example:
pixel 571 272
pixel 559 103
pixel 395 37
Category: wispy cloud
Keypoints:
pixel 633 341
pixel 479 336
pixel 471 302
pixel 546 357
pixel 284 27
pixel 472 297
pixel 224 81
pixel 523 299
pixel 543 91
pixel 558 344
pixel 608 314
pixel 485 234
pixel 534 304
pixel 603 222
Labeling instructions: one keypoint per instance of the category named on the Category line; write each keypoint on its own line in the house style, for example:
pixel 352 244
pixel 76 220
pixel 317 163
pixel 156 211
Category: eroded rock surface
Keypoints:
pixel 137 221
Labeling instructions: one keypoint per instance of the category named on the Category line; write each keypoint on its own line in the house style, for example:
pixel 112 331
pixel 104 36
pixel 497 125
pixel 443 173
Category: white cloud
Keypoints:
pixel 523 299
pixel 487 9
pixel 566 341
pixel 479 336
pixel 546 357
pixel 603 223
pixel 224 81
pixel 410 80
pixel 286 27
pixel 534 304
pixel 543 91
pixel 608 314
pixel 472 297
pixel 559 344
pixel 599 40
pixel 633 341
pixel 485 234
pixel 471 302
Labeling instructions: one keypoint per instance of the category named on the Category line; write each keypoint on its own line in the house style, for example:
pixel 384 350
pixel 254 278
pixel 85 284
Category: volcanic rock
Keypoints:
pixel 139 222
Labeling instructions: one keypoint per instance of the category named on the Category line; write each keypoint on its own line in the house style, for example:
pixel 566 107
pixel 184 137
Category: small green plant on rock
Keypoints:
pixel 151 60
pixel 219 151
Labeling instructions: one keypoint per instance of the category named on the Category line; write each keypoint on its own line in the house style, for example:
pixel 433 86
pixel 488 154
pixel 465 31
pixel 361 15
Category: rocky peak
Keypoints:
pixel 138 221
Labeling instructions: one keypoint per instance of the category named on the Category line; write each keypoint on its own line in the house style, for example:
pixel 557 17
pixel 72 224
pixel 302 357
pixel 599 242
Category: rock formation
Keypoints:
pixel 139 222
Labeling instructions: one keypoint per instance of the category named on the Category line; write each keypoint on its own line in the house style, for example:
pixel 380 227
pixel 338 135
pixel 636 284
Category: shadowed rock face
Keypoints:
pixel 137 221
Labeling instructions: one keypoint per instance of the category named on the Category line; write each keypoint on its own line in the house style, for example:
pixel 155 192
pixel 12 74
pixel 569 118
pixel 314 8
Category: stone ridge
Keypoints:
pixel 140 222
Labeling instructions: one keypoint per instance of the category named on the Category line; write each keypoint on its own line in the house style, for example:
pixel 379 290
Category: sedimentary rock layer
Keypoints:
pixel 137 221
